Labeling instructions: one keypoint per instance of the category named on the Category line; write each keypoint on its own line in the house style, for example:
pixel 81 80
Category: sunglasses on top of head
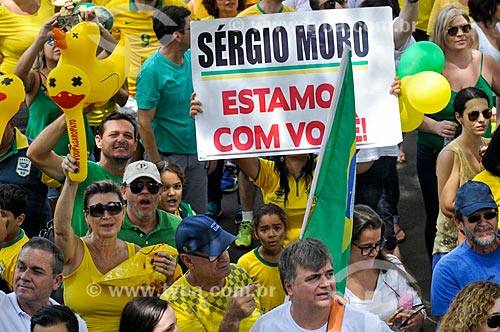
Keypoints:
pixel 153 187
pixel 493 320
pixel 452 31
pixel 97 210
pixel 476 217
pixel 474 115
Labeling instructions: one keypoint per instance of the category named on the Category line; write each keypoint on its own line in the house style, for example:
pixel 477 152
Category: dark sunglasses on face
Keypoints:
pixel 474 115
pixel 51 41
pixel 367 250
pixel 153 187
pixel 211 259
pixel 493 320
pixel 330 4
pixel 97 210
pixel 476 217
pixel 452 31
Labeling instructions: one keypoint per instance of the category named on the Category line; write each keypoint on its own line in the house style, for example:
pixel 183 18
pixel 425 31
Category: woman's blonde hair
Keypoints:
pixel 470 307
pixel 443 21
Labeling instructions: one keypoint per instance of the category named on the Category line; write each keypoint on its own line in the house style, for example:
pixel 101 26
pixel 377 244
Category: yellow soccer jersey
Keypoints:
pixel 493 182
pixel 257 10
pixel 137 26
pixel 200 311
pixel 267 275
pixel 269 181
pixel 8 257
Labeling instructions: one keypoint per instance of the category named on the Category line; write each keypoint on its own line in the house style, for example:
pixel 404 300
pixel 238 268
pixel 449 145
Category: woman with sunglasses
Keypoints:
pixel 89 258
pixel 459 162
pixel 476 308
pixel 376 282
pixel 464 67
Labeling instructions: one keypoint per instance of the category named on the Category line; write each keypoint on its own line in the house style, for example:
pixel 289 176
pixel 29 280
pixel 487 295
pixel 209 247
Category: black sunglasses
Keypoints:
pixel 454 30
pixel 476 217
pixel 474 115
pixel 97 210
pixel 330 4
pixel 367 250
pixel 153 187
pixel 211 259
pixel 493 320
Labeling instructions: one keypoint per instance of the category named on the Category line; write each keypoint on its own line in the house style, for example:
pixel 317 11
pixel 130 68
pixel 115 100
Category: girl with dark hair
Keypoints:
pixel 285 181
pixel 172 178
pixel 491 163
pixel 148 314
pixel 459 162
pixel 377 282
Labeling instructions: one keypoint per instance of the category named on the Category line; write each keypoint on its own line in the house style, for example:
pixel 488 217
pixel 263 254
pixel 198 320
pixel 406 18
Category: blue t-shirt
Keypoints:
pixel 458 269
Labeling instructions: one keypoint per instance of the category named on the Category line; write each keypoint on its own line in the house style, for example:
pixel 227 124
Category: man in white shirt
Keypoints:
pixel 306 269
pixel 38 273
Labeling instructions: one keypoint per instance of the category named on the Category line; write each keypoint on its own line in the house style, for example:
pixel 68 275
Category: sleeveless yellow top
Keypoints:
pixel 100 306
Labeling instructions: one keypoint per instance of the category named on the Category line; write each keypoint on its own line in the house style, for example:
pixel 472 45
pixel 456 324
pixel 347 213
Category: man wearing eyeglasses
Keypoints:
pixel 478 257
pixel 144 223
pixel 214 295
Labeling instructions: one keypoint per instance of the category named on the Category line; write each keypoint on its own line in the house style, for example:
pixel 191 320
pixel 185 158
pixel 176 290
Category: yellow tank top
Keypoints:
pixel 100 306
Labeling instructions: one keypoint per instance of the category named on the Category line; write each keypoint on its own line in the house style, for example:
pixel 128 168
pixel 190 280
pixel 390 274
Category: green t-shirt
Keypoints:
pixel 168 87
pixel 95 173
pixel 164 232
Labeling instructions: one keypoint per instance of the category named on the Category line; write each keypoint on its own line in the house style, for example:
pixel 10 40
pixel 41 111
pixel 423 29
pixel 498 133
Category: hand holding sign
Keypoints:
pixel 11 97
pixel 69 87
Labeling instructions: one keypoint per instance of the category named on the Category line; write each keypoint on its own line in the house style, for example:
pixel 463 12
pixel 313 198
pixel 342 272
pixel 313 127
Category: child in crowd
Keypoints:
pixel 172 178
pixel 269 227
pixel 13 201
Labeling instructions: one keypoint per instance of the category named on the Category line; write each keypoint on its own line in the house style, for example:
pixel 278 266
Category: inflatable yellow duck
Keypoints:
pixel 78 48
pixel 11 97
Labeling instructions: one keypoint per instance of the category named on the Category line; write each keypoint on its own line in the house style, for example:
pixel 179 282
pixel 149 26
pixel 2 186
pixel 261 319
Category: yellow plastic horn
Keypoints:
pixel 11 97
pixel 69 87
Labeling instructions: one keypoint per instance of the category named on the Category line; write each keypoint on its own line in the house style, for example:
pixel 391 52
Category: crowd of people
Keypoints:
pixel 137 245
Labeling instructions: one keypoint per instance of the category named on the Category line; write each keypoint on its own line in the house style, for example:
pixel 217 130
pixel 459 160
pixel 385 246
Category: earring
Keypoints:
pixel 282 159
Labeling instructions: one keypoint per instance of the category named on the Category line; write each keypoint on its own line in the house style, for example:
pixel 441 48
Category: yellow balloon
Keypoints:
pixel 78 48
pixel 410 118
pixel 427 92
pixel 11 97
pixel 69 87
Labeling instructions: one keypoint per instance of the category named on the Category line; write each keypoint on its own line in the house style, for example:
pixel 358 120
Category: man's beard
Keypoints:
pixel 481 243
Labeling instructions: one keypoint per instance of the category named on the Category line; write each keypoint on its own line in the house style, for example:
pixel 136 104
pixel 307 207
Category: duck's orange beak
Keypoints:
pixel 60 38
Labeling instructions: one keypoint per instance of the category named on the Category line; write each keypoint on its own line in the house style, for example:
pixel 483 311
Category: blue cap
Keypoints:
pixel 202 234
pixel 474 196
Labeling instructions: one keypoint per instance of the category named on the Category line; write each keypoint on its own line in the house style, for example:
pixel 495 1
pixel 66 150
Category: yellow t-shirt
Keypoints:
pixel 17 33
pixel 137 26
pixel 8 257
pixel 267 275
pixel 493 182
pixel 257 10
pixel 99 306
pixel 269 181
pixel 200 311
pixel 436 8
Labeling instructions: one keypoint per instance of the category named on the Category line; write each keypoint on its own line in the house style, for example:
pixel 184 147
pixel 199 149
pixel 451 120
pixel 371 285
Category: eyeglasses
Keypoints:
pixel 476 217
pixel 211 259
pixel 367 250
pixel 474 115
pixel 452 31
pixel 51 41
pixel 153 187
pixel 97 210
pixel 493 320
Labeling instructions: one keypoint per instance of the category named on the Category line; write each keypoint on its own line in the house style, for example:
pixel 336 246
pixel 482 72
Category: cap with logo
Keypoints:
pixel 474 196
pixel 139 169
pixel 202 234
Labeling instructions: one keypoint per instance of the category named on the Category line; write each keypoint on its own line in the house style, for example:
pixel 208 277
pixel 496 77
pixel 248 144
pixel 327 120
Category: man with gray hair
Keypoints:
pixel 306 270
pixel 38 273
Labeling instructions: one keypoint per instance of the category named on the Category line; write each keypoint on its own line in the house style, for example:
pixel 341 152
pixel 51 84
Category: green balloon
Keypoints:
pixel 419 57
